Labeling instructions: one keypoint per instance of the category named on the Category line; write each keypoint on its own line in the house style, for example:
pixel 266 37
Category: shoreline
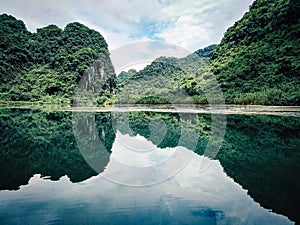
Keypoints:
pixel 166 108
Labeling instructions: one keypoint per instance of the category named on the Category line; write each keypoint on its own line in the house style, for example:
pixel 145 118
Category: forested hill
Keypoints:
pixel 258 60
pixel 166 80
pixel 47 65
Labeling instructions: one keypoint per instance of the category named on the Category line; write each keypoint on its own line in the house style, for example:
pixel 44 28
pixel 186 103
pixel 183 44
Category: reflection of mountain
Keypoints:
pixel 259 152
pixel 262 154
pixel 167 129
pixel 43 142
pixel 209 197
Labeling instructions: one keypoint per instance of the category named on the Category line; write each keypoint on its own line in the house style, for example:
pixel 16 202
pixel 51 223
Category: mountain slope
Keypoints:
pixel 258 60
pixel 47 65
pixel 166 80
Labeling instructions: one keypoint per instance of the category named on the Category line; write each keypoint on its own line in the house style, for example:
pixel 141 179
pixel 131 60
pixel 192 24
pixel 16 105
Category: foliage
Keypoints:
pixel 48 65
pixel 257 61
pixel 165 80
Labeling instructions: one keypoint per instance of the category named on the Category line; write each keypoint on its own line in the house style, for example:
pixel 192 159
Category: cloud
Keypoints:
pixel 139 54
pixel 187 23
pixel 37 14
pixel 200 23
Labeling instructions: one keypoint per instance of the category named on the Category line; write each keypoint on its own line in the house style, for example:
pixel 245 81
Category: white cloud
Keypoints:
pixel 187 34
pixel 200 23
pixel 140 54
pixel 37 14
pixel 187 23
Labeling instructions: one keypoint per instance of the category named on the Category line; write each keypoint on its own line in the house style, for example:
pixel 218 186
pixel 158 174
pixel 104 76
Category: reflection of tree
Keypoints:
pixel 152 125
pixel 259 152
pixel 262 154
pixel 38 142
pixel 94 137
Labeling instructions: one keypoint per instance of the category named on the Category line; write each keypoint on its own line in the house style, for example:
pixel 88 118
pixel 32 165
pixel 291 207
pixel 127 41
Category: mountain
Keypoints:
pixel 166 80
pixel 258 60
pixel 47 65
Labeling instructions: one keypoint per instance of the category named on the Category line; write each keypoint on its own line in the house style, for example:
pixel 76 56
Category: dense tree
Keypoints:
pixel 258 60
pixel 166 80
pixel 48 65
pixel 13 56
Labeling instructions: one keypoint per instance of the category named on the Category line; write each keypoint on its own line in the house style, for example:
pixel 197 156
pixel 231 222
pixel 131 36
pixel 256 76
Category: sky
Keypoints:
pixel 190 24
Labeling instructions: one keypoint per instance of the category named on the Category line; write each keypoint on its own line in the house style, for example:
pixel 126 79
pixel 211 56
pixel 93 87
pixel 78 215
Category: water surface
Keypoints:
pixel 143 171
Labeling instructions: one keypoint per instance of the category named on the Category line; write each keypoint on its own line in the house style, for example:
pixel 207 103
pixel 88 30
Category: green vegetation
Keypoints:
pixel 258 60
pixel 166 80
pixel 46 66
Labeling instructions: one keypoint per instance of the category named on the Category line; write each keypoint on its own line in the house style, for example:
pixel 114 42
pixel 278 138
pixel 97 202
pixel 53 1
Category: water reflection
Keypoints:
pixel 138 168
pixel 259 152
pixel 137 151
pixel 190 197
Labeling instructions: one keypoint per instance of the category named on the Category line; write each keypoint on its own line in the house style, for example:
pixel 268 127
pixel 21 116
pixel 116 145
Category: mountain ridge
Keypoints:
pixel 257 62
pixel 47 66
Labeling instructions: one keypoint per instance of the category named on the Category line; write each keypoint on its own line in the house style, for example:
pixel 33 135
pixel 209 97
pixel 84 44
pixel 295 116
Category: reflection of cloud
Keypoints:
pixel 137 151
pixel 188 23
pixel 210 197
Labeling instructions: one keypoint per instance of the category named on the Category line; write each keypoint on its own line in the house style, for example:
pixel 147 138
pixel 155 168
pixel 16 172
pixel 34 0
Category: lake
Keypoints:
pixel 238 165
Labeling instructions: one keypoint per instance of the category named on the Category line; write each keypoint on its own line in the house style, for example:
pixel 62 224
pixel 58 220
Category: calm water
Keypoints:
pixel 148 168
